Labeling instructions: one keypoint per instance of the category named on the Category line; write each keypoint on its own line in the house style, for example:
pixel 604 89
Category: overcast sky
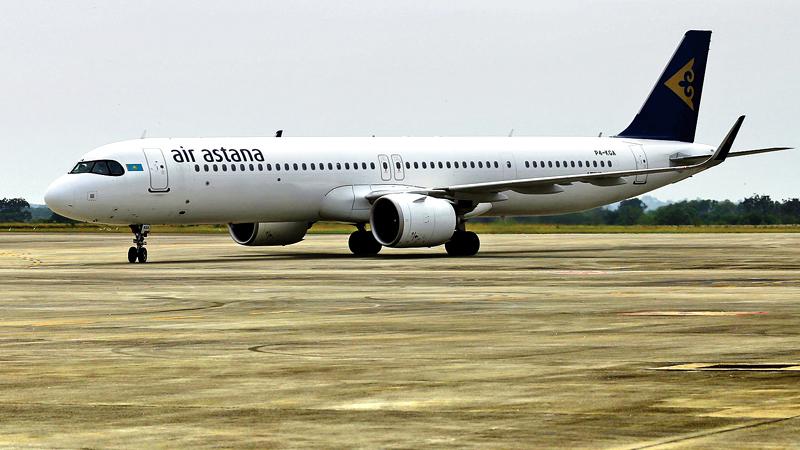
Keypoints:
pixel 79 74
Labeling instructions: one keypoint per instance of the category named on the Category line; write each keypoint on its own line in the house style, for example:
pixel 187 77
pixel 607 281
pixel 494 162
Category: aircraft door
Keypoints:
pixel 386 171
pixel 641 162
pixel 397 167
pixel 157 165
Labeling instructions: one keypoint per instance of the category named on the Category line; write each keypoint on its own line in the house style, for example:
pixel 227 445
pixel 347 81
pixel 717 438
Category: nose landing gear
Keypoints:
pixel 138 252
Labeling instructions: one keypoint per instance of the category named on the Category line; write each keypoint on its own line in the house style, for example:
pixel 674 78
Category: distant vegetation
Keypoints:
pixel 758 213
pixel 16 210
pixel 755 210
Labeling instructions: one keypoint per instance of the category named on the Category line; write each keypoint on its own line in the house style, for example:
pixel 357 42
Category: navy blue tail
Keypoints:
pixel 670 112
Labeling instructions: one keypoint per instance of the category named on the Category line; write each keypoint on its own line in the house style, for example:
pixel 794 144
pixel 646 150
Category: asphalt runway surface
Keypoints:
pixel 623 341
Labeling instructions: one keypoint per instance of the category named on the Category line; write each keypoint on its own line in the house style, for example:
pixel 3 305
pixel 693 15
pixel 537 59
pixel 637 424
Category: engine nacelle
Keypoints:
pixel 267 233
pixel 412 220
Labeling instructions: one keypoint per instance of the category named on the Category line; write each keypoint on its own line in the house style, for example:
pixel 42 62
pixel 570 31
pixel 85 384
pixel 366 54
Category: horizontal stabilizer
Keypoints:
pixel 693 159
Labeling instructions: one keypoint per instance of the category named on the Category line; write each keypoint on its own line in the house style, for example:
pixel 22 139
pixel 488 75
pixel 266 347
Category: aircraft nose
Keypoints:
pixel 60 197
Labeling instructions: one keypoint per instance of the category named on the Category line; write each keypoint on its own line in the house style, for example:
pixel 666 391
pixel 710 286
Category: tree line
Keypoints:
pixel 19 210
pixel 755 210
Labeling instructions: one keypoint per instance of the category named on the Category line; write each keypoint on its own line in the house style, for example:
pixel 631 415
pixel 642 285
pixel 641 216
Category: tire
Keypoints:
pixel 355 242
pixel 472 243
pixel 142 255
pixel 463 243
pixel 132 255
pixel 363 243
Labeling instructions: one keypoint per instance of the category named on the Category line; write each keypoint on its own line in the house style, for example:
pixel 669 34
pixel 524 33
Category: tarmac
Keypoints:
pixel 569 341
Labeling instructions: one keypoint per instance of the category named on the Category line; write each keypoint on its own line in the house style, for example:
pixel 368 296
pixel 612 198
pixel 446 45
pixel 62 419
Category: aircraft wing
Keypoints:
pixel 546 185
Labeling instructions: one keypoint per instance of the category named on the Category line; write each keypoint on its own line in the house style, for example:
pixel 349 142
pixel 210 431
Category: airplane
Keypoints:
pixel 411 191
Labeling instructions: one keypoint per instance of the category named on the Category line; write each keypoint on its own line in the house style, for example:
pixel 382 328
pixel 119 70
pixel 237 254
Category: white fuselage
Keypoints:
pixel 196 181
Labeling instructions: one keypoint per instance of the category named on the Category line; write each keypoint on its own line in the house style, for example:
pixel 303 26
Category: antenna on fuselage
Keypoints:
pixel 279 133
pixel 144 134
pixel 511 133
pixel 600 135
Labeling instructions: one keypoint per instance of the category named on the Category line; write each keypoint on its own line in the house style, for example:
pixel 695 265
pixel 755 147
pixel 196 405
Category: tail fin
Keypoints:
pixel 670 112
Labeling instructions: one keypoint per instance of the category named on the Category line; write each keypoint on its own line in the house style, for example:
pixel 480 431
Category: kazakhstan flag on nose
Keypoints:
pixel 134 167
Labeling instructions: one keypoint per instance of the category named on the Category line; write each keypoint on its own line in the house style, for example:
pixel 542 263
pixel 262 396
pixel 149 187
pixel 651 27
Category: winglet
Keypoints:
pixel 726 144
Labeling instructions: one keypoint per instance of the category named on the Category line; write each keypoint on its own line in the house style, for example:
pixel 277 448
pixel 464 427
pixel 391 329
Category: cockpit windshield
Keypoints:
pixel 102 167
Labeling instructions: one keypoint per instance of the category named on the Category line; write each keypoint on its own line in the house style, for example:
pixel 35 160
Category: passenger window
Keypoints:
pixel 534 164
pixel 408 165
pixel 480 164
pixel 595 163
pixel 527 164
pixel 587 164
pixel 205 167
pixel 580 164
pixel 541 163
pixel 472 164
pixel 372 165
pixel 385 166
pixel 330 166
pixel 233 167
pixel 447 164
pixel 338 166
pixel 550 164
pixel 355 165
pixel 456 164
pixel 488 165
pixel 364 165
pixel 251 168
pixel 224 167
pixel 609 163
pixel 558 163
pixel 416 165
pixel 304 166
pixel 313 166
pixel 602 163
pixel 464 164
pixel 572 163
pixel 397 165
pixel 347 166
pixel 216 169
pixel 424 165
pixel 294 166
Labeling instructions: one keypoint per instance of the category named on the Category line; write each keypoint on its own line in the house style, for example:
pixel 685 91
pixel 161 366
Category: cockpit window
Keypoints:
pixel 102 167
pixel 83 167
pixel 115 168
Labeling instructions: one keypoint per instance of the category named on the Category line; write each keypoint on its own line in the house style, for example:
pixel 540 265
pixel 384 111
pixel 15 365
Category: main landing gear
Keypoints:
pixel 363 243
pixel 463 243
pixel 138 252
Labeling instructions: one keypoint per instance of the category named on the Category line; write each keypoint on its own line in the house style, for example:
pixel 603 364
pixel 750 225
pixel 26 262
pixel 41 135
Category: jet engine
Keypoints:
pixel 267 233
pixel 412 220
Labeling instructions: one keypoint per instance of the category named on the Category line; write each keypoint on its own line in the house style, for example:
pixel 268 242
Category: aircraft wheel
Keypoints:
pixel 463 243
pixel 142 255
pixel 363 243
pixel 132 255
